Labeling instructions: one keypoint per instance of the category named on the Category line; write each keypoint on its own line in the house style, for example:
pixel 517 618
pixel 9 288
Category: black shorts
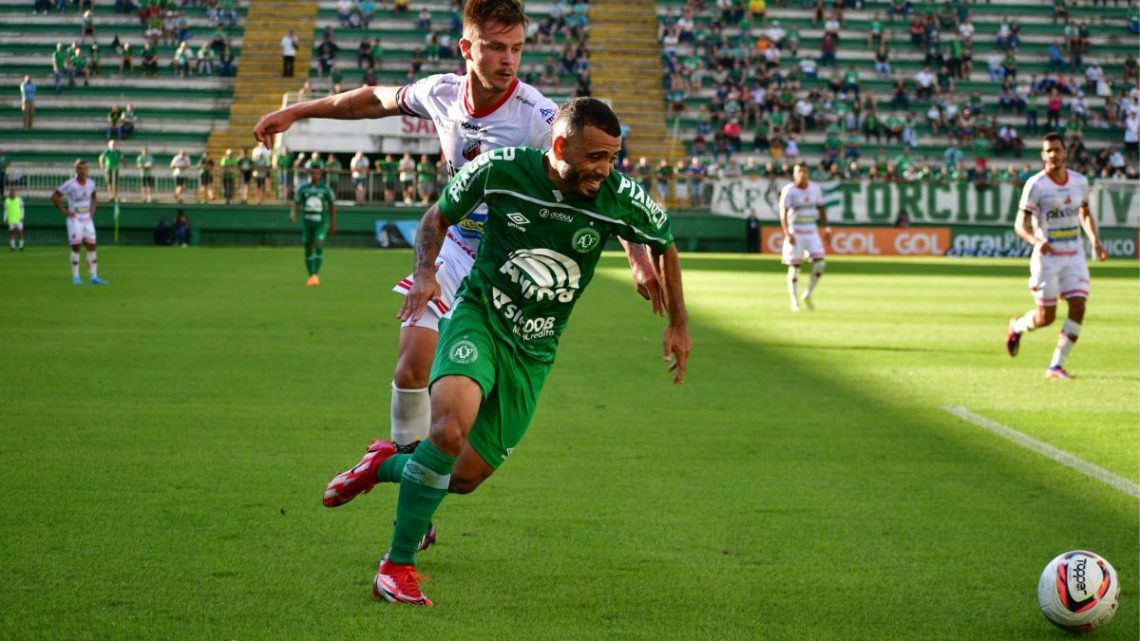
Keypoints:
pixel 246 176
pixel 148 181
pixel 180 181
pixel 206 179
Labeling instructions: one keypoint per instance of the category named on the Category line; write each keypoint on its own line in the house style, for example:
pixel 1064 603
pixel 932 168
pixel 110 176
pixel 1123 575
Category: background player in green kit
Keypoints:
pixel 549 215
pixel 319 213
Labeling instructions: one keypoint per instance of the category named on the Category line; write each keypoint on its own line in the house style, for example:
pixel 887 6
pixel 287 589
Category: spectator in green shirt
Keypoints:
pixel 283 166
pixel 145 163
pixel 229 165
pixel 425 179
pixel 109 162
pixel 389 172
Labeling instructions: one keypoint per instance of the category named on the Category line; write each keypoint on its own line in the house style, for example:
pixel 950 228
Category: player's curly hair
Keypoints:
pixel 579 113
pixel 506 12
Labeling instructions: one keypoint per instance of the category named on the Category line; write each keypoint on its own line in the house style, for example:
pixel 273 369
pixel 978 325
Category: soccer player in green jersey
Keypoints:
pixel 319 207
pixel 548 216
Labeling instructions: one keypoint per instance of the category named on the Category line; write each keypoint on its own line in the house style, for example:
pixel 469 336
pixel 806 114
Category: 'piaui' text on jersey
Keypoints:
pixel 804 203
pixel 79 197
pixel 315 201
pixel 1056 209
pixel 541 245
pixel 521 119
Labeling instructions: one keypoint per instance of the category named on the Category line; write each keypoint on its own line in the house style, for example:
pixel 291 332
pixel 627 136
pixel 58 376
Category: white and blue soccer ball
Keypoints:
pixel 1078 591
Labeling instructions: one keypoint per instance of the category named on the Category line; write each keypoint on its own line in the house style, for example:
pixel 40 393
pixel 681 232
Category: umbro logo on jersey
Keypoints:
pixel 518 221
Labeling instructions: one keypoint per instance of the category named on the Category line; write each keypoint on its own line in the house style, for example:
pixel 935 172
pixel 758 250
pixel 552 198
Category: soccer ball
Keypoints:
pixel 1078 591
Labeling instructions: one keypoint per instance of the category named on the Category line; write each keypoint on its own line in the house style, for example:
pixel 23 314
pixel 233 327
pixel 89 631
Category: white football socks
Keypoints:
pixel 816 272
pixel 411 414
pixel 793 284
pixel 1026 323
pixel 1070 331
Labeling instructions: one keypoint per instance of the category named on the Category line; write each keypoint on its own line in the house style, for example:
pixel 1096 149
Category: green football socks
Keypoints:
pixel 318 258
pixel 309 260
pixel 422 488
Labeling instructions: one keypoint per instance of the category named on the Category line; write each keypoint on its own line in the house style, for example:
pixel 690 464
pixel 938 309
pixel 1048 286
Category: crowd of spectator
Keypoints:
pixel 565 29
pixel 732 73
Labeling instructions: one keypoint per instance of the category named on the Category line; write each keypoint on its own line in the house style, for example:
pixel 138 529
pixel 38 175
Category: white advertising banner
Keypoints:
pixel 879 203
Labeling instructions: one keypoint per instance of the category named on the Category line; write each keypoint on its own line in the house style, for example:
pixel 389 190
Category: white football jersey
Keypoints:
pixel 521 119
pixel 1056 208
pixel 79 197
pixel 804 203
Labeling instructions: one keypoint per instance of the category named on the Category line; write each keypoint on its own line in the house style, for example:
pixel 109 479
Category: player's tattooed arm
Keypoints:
pixel 646 278
pixel 425 288
pixel 677 342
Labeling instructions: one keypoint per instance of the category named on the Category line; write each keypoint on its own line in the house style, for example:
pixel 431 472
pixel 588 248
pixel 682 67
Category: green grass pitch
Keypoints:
pixel 164 443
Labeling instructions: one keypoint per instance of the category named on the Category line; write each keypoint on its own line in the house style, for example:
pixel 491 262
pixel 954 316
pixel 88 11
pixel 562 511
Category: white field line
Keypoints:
pixel 1060 456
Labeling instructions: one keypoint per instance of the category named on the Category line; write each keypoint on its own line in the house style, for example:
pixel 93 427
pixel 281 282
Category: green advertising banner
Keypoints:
pixel 879 203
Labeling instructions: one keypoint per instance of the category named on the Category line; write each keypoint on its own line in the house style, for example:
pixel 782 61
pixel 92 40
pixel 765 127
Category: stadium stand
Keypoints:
pixel 683 91
pixel 173 112
pixel 717 58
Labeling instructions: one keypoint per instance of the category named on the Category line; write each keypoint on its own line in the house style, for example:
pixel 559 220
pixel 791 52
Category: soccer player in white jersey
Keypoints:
pixel 1054 208
pixel 801 213
pixel 80 213
pixel 485 109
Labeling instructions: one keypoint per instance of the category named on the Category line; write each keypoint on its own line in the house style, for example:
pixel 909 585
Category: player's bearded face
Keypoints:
pixel 1053 153
pixel 495 52
pixel 588 159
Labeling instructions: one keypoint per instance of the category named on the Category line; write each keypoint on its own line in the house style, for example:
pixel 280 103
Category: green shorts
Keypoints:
pixel 511 382
pixel 314 232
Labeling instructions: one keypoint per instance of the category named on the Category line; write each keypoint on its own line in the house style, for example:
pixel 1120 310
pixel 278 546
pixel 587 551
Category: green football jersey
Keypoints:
pixel 315 201
pixel 111 159
pixel 540 246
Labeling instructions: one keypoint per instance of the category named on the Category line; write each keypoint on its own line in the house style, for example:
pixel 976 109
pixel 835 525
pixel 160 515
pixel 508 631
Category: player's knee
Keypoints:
pixel 1045 317
pixel 408 376
pixel 447 436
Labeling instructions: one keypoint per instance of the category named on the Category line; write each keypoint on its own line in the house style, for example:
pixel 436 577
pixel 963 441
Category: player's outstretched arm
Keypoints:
pixel 1089 224
pixel 365 102
pixel 425 288
pixel 646 280
pixel 677 342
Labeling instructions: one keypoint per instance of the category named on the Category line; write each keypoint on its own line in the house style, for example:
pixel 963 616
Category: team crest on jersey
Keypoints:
pixel 585 239
pixel 472 148
pixel 463 352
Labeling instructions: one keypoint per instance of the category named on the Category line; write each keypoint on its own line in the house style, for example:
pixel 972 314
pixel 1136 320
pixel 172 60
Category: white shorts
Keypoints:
pixel 1058 276
pixel 806 241
pixel 451 267
pixel 16 227
pixel 80 231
